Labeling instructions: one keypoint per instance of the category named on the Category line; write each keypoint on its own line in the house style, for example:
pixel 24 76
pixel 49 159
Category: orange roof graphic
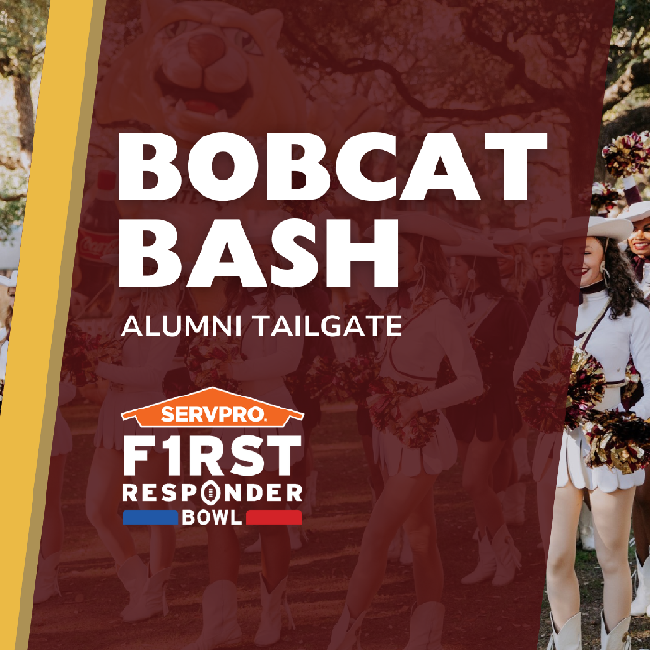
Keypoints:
pixel 212 407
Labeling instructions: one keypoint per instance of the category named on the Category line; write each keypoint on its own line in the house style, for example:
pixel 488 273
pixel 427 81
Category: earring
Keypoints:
pixel 605 273
pixel 471 274
pixel 418 267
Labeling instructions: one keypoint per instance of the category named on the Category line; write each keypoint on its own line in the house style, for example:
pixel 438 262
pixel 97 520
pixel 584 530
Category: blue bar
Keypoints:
pixel 150 518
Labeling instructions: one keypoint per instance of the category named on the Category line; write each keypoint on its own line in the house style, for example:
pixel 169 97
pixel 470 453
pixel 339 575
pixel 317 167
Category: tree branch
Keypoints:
pixel 13 197
pixel 636 74
pixel 513 58
pixel 327 60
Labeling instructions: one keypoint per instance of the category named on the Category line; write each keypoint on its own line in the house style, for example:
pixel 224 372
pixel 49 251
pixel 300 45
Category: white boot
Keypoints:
pixel 373 494
pixel 426 627
pixel 487 562
pixel 406 554
pixel 305 506
pixel 507 556
pixel 133 574
pixel 255 547
pixel 641 599
pixel 270 627
pixel 514 504
pixel 520 452
pixel 313 477
pixel 152 600
pixel 586 528
pixel 569 637
pixel 220 627
pixel 47 578
pixel 641 603
pixel 619 638
pixel 345 634
pixel 395 548
pixel 306 503
pixel 295 537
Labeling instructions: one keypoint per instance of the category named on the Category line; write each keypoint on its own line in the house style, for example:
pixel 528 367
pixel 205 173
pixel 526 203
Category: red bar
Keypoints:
pixel 273 518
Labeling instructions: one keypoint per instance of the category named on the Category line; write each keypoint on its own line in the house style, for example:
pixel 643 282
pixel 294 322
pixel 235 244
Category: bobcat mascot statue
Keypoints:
pixel 203 67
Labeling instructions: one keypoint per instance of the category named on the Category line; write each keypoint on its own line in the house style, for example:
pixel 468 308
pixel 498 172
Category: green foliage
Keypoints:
pixel 22 36
pixel 630 36
pixel 23 24
pixel 10 212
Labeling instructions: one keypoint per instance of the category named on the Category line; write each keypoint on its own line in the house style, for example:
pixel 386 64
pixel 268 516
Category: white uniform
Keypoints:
pixel 267 360
pixel 611 343
pixel 645 281
pixel 135 384
pixel 415 356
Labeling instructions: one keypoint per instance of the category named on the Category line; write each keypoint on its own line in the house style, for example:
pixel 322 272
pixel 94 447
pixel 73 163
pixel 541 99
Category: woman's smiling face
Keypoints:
pixel 459 273
pixel 581 260
pixel 506 264
pixel 543 261
pixel 639 241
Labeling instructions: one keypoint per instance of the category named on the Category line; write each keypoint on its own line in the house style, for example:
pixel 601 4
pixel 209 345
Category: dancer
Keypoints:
pixel 543 262
pixel 520 278
pixel 432 328
pixel 638 243
pixel 518 274
pixel 137 382
pixel 638 252
pixel 613 323
pixel 497 322
pixel 268 360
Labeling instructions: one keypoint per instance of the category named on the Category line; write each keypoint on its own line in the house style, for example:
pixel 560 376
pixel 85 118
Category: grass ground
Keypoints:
pixel 86 616
pixel 590 578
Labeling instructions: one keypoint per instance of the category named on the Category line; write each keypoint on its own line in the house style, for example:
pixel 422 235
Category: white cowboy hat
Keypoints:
pixel 422 223
pixel 637 208
pixel 617 229
pixel 537 242
pixel 636 211
pixel 473 248
pixel 510 237
pixel 9 282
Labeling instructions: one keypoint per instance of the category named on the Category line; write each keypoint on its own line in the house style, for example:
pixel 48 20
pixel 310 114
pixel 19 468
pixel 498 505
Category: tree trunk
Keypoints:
pixel 25 106
pixel 637 74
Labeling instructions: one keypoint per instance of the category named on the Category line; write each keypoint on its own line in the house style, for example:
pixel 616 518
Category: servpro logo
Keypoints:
pixel 213 408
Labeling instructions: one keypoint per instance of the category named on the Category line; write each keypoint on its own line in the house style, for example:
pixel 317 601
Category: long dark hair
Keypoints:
pixel 622 288
pixel 488 278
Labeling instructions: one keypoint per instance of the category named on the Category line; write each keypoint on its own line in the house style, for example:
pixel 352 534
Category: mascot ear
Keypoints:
pixel 152 9
pixel 271 22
